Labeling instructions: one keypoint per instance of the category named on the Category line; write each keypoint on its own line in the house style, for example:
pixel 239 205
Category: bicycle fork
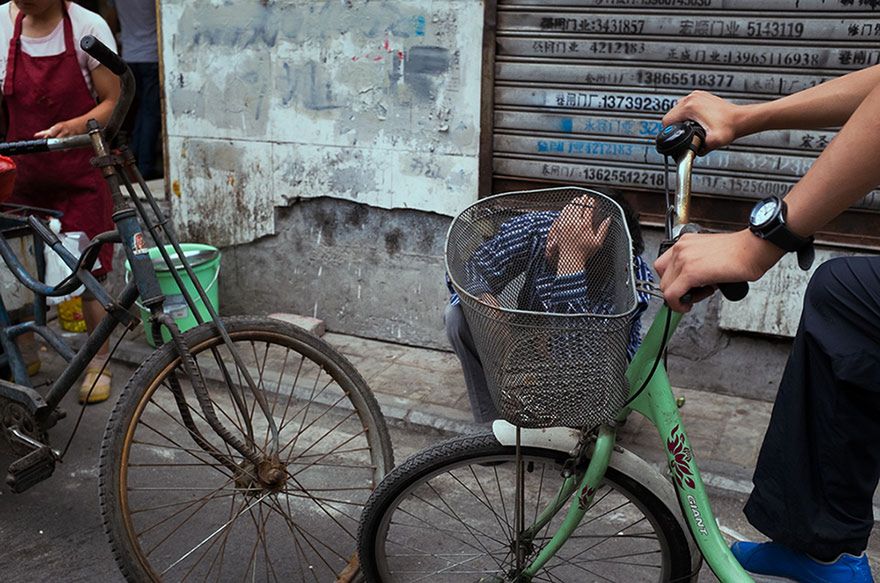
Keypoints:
pixel 115 172
pixel 584 489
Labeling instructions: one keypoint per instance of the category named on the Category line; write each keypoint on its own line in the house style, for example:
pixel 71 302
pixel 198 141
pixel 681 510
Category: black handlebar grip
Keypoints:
pixel 24 147
pixel 675 139
pixel 104 55
pixel 734 292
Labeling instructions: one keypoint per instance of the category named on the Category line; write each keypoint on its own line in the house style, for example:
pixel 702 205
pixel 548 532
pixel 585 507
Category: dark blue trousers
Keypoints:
pixel 820 461
pixel 148 117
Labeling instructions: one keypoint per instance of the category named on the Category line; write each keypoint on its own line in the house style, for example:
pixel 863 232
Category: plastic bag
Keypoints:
pixel 56 270
pixel 7 177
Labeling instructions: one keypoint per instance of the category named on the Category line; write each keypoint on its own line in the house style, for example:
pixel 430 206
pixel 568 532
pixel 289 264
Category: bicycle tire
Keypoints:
pixel 405 535
pixel 151 464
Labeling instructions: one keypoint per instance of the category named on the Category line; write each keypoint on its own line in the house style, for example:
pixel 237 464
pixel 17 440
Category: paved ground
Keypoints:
pixel 55 529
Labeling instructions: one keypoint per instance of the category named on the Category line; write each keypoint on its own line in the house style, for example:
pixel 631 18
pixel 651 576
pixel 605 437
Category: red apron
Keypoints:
pixel 40 92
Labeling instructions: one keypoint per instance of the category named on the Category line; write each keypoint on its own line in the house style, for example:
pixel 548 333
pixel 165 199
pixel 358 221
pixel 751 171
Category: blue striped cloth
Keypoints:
pixel 522 242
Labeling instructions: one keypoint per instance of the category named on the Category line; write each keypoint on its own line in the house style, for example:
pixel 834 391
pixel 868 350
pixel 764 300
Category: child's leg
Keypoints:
pixel 96 385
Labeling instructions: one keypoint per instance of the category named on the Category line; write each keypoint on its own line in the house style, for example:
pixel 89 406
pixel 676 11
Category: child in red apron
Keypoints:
pixel 48 96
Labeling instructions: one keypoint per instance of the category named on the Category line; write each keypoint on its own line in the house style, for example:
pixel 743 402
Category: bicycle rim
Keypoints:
pixel 176 512
pixel 447 519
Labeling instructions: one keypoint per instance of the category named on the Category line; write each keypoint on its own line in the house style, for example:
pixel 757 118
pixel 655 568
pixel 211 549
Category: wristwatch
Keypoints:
pixel 767 221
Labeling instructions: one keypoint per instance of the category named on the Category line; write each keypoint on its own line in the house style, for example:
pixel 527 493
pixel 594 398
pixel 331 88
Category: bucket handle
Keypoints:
pixel 196 301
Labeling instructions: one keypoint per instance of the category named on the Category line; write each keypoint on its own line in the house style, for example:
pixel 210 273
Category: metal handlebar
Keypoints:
pixel 682 141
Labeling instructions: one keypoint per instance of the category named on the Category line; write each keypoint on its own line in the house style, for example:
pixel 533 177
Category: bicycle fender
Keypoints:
pixel 624 461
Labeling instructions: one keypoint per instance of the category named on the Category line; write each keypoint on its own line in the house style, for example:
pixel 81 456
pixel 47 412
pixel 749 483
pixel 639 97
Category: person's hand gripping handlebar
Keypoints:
pixel 682 142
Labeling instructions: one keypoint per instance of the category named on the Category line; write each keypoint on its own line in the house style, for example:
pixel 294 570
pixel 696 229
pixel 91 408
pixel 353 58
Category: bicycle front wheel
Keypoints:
pixel 447 514
pixel 180 502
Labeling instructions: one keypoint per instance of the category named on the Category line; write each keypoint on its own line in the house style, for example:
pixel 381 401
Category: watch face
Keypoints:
pixel 763 212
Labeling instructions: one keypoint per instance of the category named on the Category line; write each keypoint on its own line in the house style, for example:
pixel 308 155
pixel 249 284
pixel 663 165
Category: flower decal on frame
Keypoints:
pixel 585 496
pixel 679 464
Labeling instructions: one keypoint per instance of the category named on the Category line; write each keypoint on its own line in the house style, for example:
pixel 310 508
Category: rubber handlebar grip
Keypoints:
pixel 103 54
pixel 733 292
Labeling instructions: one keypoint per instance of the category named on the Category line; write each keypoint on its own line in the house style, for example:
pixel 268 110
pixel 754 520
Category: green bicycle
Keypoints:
pixel 548 495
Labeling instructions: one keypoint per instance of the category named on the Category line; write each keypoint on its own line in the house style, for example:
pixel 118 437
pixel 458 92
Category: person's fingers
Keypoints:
pixel 552 244
pixel 662 262
pixel 52 132
pixel 603 230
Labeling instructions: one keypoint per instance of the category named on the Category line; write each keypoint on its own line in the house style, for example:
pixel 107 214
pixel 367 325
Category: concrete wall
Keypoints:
pixel 364 270
pixel 270 102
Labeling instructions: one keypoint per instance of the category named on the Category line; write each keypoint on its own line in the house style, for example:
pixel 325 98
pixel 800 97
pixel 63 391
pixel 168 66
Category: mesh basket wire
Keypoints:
pixel 548 290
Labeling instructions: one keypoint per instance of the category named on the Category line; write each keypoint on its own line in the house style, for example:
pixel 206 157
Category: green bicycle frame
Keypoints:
pixel 657 403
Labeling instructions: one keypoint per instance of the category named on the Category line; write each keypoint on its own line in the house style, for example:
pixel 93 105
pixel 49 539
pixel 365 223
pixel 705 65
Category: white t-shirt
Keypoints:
pixel 84 22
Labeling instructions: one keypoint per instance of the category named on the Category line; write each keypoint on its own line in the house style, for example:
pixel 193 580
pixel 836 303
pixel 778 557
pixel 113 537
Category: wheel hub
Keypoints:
pixel 269 474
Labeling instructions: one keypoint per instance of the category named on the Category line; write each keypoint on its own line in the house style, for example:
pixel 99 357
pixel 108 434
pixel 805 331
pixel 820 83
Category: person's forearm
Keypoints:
pixel 843 174
pixel 101 113
pixel 827 105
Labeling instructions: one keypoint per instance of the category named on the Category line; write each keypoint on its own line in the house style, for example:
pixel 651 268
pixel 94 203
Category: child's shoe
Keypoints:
pixel 96 386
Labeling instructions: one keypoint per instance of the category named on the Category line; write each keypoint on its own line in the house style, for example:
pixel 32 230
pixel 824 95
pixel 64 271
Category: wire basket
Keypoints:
pixel 548 290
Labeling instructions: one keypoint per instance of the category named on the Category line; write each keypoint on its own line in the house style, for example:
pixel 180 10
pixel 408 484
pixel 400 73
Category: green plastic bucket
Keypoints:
pixel 205 262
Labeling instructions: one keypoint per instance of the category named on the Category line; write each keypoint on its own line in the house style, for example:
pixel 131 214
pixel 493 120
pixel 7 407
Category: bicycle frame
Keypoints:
pixel 651 395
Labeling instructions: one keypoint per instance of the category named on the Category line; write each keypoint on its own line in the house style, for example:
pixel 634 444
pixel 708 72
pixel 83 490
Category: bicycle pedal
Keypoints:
pixel 30 470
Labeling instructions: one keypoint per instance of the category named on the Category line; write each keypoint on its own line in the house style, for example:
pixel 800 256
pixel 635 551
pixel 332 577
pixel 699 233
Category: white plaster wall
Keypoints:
pixel 373 101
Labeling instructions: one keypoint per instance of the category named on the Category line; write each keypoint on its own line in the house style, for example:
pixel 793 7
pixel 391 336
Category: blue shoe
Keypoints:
pixel 778 561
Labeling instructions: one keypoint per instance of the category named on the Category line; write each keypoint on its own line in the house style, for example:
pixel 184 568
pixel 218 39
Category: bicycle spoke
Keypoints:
pixel 172 504
pixel 483 502
pixel 213 534
pixel 331 504
pixel 302 359
pixel 280 378
pixel 181 448
pixel 175 529
pixel 302 496
pixel 187 429
pixel 298 545
pixel 222 552
pixel 201 416
pixel 431 527
pixel 309 537
pixel 200 559
pixel 321 506
pixel 324 456
pixel 470 530
pixel 292 444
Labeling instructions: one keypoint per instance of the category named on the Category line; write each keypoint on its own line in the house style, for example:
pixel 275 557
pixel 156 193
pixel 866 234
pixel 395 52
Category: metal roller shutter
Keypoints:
pixel 580 87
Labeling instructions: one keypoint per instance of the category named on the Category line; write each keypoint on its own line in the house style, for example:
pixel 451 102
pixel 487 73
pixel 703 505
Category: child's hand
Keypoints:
pixel 61 129
pixel 573 236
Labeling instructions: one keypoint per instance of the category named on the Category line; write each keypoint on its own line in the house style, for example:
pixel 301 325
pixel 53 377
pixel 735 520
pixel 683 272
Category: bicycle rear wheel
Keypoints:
pixel 447 514
pixel 179 503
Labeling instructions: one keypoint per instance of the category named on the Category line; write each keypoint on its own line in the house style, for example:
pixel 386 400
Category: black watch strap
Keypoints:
pixel 785 239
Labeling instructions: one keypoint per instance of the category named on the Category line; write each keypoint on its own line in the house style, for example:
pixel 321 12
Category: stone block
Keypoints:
pixel 313 325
